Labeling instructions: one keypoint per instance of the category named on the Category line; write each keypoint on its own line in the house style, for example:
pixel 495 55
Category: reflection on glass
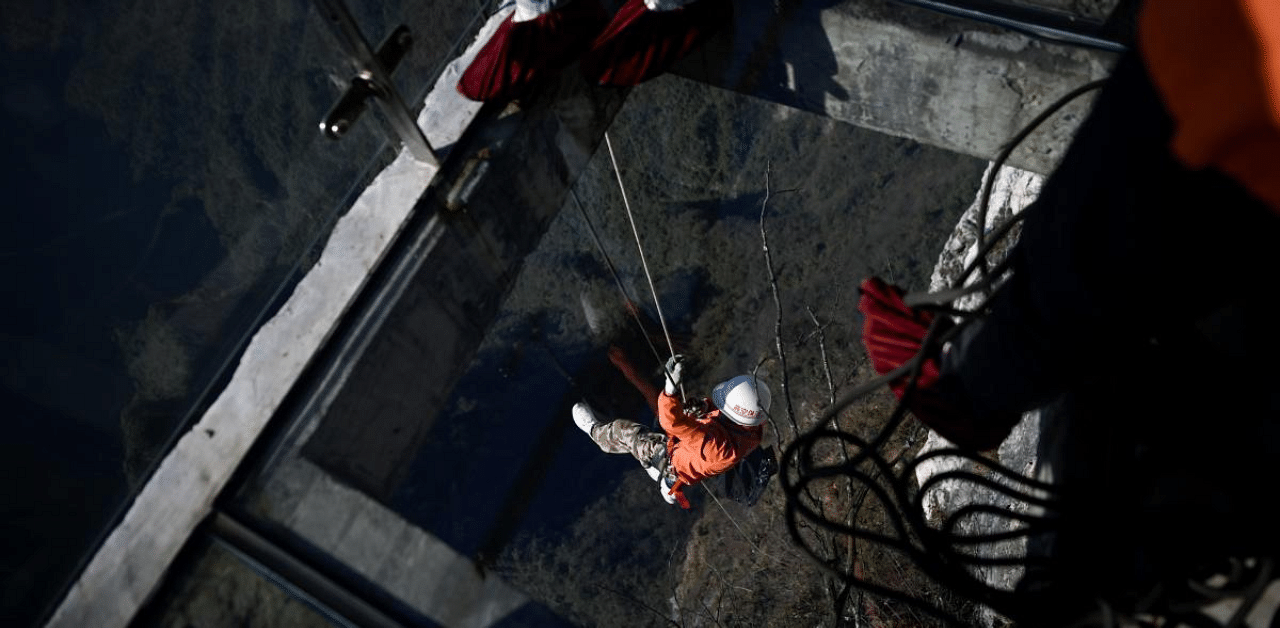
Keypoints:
pixel 213 587
pixel 595 541
pixel 439 29
pixel 500 473
pixel 167 186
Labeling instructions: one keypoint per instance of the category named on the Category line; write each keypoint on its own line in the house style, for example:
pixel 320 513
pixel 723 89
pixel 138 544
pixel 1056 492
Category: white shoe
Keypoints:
pixel 666 492
pixel 653 472
pixel 584 417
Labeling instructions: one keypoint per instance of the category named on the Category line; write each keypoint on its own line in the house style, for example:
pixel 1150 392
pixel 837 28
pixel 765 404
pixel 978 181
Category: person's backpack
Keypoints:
pixel 746 481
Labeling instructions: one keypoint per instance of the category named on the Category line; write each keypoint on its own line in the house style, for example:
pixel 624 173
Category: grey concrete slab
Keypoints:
pixel 402 564
pixel 904 71
pixel 415 567
pixel 321 516
pixel 370 538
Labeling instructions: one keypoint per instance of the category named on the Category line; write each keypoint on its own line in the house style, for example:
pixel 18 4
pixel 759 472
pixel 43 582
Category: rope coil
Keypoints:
pixel 939 549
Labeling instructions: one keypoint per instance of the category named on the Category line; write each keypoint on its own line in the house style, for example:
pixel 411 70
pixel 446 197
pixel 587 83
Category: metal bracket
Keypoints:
pixel 372 78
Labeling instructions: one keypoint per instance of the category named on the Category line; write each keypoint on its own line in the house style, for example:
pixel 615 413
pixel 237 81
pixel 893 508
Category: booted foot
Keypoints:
pixel 653 472
pixel 665 489
pixel 584 417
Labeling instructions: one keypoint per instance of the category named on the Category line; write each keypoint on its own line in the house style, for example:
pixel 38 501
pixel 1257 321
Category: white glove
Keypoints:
pixel 674 368
pixel 665 5
pixel 529 9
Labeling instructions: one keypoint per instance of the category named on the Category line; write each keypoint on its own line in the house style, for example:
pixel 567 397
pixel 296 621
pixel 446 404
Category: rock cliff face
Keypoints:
pixel 1012 191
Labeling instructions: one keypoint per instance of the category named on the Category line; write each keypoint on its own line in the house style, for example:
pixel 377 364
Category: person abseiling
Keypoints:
pixel 699 442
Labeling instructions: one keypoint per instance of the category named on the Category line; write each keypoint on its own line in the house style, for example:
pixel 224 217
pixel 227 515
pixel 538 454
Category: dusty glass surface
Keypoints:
pixel 214 587
pixel 503 476
pixel 439 29
pixel 167 186
pixel 594 540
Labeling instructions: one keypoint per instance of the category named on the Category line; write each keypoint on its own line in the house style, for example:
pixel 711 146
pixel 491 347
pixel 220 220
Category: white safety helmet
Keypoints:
pixel 744 399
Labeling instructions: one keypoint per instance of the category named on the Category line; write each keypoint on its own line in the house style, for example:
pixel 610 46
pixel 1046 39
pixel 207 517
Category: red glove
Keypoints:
pixel 892 334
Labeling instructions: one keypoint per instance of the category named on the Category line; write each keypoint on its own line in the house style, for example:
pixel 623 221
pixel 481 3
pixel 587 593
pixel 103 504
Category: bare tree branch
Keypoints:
pixel 709 613
pixel 822 349
pixel 841 599
pixel 777 302
pixel 826 540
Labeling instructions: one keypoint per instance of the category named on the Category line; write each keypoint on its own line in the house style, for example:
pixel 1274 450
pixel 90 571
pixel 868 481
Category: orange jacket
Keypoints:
pixel 702 448
pixel 1216 65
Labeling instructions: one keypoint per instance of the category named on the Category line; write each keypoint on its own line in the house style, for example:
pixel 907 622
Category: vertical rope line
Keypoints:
pixel 636 232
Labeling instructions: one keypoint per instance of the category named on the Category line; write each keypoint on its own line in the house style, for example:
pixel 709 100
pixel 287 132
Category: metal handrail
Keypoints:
pixel 372 78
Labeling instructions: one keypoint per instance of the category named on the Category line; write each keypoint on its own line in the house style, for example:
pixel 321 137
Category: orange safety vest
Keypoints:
pixel 1216 65
pixel 702 448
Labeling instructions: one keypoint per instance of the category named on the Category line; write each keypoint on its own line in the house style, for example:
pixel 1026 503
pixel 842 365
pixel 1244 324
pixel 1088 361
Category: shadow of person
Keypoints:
pixel 808 58
pixel 779 51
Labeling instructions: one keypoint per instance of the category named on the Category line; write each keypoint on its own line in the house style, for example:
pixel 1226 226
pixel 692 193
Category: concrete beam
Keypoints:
pixel 134 557
pixel 959 85
pixel 414 566
pixel 127 568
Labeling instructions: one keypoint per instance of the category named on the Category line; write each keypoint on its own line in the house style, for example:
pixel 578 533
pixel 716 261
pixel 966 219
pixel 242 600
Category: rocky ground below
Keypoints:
pixel 842 204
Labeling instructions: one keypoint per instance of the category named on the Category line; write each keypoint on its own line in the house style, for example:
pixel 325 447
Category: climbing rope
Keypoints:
pixel 640 248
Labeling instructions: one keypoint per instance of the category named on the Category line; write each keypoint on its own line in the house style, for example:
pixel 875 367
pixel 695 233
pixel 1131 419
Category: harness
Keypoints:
pixel 701 410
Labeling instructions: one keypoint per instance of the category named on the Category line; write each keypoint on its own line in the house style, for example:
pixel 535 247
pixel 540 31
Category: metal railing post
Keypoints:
pixel 372 78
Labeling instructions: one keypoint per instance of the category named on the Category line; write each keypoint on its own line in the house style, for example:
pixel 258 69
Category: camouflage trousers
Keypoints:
pixel 628 437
